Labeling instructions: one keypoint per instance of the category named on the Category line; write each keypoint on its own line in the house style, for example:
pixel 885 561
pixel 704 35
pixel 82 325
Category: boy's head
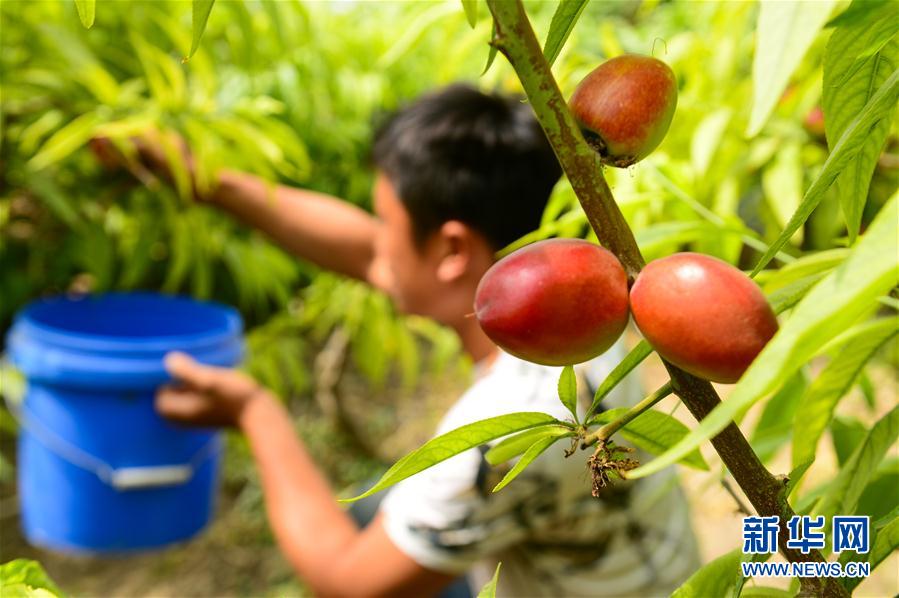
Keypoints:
pixel 460 174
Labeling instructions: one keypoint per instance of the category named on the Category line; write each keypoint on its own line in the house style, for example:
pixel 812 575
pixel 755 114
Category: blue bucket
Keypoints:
pixel 98 470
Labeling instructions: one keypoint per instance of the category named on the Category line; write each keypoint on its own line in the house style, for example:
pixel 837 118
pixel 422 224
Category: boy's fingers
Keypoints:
pixel 186 369
pixel 181 405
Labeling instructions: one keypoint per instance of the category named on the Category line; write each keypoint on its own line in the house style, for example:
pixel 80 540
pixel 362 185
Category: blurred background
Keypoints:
pixel 291 90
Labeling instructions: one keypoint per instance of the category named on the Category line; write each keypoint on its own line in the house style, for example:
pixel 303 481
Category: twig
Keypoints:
pixel 741 507
pixel 606 431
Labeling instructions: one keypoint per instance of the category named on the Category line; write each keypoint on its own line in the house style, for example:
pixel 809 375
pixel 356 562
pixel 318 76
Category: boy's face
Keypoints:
pixel 400 269
pixel 437 279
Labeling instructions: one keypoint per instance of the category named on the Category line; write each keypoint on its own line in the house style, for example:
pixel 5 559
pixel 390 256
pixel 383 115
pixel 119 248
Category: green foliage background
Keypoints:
pixel 291 91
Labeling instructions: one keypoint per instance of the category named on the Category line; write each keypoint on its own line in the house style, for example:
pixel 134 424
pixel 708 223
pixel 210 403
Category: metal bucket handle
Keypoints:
pixel 120 478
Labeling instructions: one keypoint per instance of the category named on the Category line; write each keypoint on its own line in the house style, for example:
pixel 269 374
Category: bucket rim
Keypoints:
pixel 26 324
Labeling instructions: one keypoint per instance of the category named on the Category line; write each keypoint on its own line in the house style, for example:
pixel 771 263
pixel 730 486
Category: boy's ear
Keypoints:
pixel 458 244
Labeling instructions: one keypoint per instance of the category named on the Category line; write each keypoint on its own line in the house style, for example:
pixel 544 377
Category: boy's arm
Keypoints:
pixel 325 230
pixel 318 538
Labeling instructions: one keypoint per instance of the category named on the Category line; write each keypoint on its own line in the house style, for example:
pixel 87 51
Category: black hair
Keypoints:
pixel 461 154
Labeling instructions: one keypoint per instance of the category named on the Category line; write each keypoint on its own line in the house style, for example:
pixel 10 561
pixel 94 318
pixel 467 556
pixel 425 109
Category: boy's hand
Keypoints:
pixel 205 395
pixel 150 162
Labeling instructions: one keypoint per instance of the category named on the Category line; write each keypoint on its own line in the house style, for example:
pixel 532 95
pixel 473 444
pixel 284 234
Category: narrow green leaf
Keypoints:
pixel 86 12
pixel 881 495
pixel 834 304
pixel 765 592
pixel 568 390
pixel 857 12
pixel 564 20
pixel 654 432
pixel 489 590
pixel 29 575
pixel 58 201
pixel 65 141
pixel 867 389
pixel 850 80
pixel 707 138
pixel 632 360
pixel 177 165
pixel 491 55
pixel 715 578
pixel 776 422
pixel 471 11
pixel 814 263
pixel 200 15
pixel 784 33
pixel 820 400
pixel 452 443
pixel 786 297
pixel 846 433
pixel 842 496
pixel 886 542
pixel 665 237
pixel 527 458
pixel 782 181
pixel 795 477
pixel 511 447
pixel 850 143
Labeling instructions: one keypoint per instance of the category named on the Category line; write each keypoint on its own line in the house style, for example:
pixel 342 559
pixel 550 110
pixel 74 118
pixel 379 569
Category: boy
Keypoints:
pixel 459 174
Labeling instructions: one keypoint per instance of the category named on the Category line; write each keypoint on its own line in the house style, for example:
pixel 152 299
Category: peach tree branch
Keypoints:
pixel 515 39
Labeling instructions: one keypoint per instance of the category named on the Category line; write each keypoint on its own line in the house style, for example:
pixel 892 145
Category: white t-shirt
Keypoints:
pixel 552 537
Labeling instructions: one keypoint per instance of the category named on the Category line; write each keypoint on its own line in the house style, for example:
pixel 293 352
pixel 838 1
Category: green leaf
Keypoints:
pixel 471 11
pixel 820 400
pixel 631 360
pixel 707 138
pixel 199 17
pixel 784 33
pixel 28 575
pixel 776 422
pixel 857 12
pixel 846 433
pixel 534 451
pixel 843 494
pixel 885 544
pixel 851 141
pixel 814 263
pixel 715 578
pixel 884 541
pixel 765 592
pixel 457 441
pixel 564 20
pixel 881 495
pixel 786 297
pixel 795 477
pixel 489 590
pixel 65 141
pixel 568 390
pixel 834 304
pixel 511 447
pixel 654 432
pixel 850 79
pixel 491 55
pixel 86 12
pixel 782 182
pixel 58 201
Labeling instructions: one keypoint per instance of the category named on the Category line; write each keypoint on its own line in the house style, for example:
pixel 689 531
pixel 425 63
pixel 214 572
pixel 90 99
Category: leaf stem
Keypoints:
pixel 605 432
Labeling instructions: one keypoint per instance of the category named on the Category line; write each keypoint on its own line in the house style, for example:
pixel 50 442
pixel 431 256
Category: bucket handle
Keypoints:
pixel 120 478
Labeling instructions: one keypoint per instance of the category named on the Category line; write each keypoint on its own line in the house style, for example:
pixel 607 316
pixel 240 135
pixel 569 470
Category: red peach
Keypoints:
pixel 624 107
pixel 702 314
pixel 554 302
